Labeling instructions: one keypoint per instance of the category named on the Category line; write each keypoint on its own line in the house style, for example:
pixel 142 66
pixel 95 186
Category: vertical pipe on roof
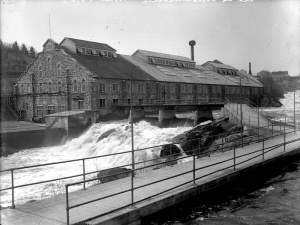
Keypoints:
pixel 250 68
pixel 192 43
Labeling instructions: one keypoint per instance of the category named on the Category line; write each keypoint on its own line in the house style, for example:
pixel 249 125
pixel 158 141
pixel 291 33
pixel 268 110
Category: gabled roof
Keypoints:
pixel 103 67
pixel 220 65
pixel 164 56
pixel 184 75
pixel 89 44
pixel 51 40
pixel 249 78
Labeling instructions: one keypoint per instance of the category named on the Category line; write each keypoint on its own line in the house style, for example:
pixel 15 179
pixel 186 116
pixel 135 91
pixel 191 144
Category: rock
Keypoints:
pixel 114 174
pixel 106 134
pixel 171 149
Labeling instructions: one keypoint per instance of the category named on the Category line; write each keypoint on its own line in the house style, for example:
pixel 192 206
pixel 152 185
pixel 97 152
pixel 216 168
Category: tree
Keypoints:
pixel 271 87
pixel 32 52
pixel 15 46
pixel 24 49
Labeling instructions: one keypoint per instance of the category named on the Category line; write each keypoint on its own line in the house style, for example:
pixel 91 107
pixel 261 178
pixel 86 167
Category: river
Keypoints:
pixel 285 191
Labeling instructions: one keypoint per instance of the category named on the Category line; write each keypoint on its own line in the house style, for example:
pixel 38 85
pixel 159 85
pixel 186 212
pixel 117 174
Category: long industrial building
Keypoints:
pixel 78 75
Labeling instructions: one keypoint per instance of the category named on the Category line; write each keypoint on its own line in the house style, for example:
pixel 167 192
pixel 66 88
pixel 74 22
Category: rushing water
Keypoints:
pixel 273 200
pixel 119 140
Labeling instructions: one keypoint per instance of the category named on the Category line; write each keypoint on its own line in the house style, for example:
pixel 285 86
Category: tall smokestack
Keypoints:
pixel 192 43
pixel 250 68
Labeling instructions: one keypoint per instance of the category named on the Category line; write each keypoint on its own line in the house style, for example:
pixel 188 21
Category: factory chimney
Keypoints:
pixel 250 68
pixel 192 43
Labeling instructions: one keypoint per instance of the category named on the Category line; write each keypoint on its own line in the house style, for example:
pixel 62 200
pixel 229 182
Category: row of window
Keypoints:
pixel 43 110
pixel 95 52
pixel 229 72
pixel 79 87
pixel 169 62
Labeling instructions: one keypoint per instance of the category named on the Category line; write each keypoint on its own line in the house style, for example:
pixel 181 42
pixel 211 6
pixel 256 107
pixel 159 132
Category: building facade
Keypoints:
pixel 78 75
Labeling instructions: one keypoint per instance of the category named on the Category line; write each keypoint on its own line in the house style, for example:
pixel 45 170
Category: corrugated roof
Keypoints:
pixel 199 67
pixel 90 44
pixel 222 66
pixel 183 75
pixel 104 67
pixel 251 79
pixel 164 56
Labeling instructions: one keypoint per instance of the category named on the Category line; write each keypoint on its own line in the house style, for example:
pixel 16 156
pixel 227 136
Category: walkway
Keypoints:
pixel 53 210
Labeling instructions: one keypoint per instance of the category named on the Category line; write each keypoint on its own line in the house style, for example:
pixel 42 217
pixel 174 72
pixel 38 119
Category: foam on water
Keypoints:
pixel 87 145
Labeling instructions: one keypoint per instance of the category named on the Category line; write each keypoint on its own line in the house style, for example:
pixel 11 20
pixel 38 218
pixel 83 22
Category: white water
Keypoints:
pixel 145 135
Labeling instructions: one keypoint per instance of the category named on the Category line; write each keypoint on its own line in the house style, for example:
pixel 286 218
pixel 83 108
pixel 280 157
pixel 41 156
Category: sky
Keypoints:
pixel 236 32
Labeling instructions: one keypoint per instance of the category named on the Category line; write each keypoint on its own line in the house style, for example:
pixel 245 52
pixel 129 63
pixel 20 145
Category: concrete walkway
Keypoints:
pixel 53 210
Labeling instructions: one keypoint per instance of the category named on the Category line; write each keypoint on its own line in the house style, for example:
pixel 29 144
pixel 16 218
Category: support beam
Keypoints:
pixel 165 116
pixel 136 114
pixel 202 115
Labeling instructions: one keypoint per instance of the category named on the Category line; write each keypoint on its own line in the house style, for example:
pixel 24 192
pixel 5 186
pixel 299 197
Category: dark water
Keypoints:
pixel 272 199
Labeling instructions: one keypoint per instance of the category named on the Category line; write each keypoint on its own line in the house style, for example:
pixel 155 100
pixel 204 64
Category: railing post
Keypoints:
pixel 194 168
pixel 284 134
pixel 83 166
pixel 272 131
pixel 233 157
pixel 263 149
pixel 67 205
pixel 12 190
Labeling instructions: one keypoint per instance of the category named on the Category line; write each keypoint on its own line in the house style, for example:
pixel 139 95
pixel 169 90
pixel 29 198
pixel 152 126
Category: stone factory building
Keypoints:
pixel 91 77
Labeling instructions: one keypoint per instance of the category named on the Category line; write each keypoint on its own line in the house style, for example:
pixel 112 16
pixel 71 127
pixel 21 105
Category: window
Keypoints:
pixel 41 88
pixel 61 108
pixel 183 88
pixel 190 89
pixel 109 54
pixel 141 101
pixel 199 89
pixel 49 64
pixel 79 87
pixel 50 87
pixel 40 72
pixel 105 53
pixel 102 87
pixel 172 88
pixel 164 61
pixel 59 86
pixel 115 87
pixel 94 52
pixel 79 50
pixel 59 70
pixel 28 88
pixel 88 51
pixel 141 88
pixel 83 85
pixel 167 62
pixel 50 109
pixel 128 101
pixel 115 101
pixel 102 103
pixel 80 104
pixel 75 86
pixel 39 110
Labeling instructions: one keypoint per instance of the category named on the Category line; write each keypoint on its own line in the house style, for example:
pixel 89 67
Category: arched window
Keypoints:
pixel 50 87
pixel 75 86
pixel 59 72
pixel 28 88
pixel 59 86
pixel 83 85
pixel 79 87
pixel 49 63
pixel 40 72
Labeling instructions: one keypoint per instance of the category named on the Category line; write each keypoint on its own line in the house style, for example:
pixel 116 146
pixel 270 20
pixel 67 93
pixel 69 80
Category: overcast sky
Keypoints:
pixel 263 32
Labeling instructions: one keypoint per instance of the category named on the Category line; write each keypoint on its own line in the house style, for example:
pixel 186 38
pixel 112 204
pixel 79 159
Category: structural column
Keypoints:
pixel 202 115
pixel 136 114
pixel 165 116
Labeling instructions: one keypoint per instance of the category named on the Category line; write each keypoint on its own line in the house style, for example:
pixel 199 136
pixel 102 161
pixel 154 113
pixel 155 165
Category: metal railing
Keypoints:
pixel 264 150
pixel 197 152
pixel 153 102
